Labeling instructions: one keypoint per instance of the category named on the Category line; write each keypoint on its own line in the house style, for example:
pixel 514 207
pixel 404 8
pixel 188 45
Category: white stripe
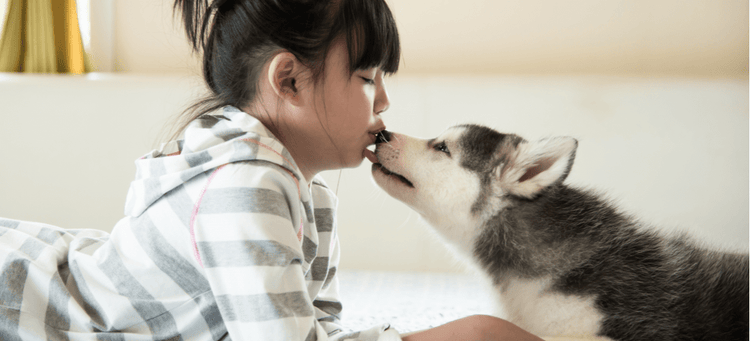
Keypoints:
pixel 246 226
pixel 158 284
pixel 120 312
pixel 256 280
pixel 290 328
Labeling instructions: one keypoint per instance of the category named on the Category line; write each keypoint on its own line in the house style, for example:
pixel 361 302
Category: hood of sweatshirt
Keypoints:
pixel 208 143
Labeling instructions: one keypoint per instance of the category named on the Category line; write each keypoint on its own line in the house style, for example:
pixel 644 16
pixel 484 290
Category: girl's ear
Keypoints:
pixel 284 72
pixel 538 165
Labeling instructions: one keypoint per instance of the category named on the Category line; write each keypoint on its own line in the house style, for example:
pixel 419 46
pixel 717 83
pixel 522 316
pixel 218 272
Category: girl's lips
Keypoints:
pixel 369 154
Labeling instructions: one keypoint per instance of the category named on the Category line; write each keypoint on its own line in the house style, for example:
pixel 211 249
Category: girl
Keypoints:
pixel 228 232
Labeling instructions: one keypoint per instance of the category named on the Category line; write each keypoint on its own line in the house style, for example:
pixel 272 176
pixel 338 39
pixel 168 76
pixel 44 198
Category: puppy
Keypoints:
pixel 563 261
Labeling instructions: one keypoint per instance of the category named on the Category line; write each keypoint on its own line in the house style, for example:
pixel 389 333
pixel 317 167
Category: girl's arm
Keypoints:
pixel 477 327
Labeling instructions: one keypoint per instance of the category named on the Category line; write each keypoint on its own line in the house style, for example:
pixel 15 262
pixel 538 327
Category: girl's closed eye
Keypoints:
pixel 368 75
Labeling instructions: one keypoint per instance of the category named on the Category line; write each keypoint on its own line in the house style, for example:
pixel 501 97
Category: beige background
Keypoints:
pixel 655 91
pixel 705 38
pixel 654 37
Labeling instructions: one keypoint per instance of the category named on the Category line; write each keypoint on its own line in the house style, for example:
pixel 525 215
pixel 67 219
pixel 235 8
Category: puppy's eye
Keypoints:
pixel 441 147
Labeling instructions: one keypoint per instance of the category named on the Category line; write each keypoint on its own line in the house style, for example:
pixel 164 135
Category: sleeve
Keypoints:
pixel 244 228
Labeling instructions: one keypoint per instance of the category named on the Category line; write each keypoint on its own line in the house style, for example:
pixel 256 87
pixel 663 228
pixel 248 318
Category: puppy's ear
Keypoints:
pixel 534 166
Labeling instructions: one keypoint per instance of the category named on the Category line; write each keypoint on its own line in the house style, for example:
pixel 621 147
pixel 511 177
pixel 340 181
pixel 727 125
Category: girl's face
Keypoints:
pixel 345 114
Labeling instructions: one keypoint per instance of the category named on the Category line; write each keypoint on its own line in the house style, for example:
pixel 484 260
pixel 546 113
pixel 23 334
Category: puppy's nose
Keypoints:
pixel 383 136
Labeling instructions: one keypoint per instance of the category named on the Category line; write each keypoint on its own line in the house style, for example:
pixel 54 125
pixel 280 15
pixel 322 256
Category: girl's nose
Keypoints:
pixel 382 101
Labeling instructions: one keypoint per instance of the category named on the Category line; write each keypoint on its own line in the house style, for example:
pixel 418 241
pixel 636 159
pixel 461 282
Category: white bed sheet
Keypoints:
pixel 410 301
pixel 413 301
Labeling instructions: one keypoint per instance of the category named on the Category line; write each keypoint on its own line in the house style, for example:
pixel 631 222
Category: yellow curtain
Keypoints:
pixel 42 36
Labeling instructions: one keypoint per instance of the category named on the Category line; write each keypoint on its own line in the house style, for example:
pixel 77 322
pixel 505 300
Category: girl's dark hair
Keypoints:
pixel 237 37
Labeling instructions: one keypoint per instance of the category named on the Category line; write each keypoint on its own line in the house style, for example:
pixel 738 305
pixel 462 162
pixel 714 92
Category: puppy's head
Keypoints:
pixel 463 176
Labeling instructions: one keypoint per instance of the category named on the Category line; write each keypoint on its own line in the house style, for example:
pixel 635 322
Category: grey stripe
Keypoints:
pixel 55 334
pixel 56 319
pixel 264 307
pixel 12 224
pixel 86 242
pixel 207 121
pixel 330 277
pixel 32 248
pixel 181 204
pixel 329 307
pixel 49 236
pixel 244 150
pixel 223 131
pixel 159 320
pixel 156 168
pixel 151 190
pixel 244 199
pixel 9 324
pixel 212 315
pixel 192 173
pixel 12 283
pixel 166 258
pixel 312 335
pixel 110 337
pixel 197 159
pixel 247 253
pixel 88 301
pixel 324 219
pixel 318 269
pixel 331 319
pixel 310 249
pixel 310 215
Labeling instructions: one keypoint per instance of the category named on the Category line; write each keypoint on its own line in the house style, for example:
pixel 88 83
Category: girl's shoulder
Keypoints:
pixel 256 174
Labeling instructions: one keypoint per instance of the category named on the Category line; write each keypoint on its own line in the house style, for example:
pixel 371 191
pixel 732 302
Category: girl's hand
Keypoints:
pixel 473 328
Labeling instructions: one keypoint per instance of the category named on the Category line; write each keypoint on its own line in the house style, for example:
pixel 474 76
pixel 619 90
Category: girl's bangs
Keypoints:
pixel 371 35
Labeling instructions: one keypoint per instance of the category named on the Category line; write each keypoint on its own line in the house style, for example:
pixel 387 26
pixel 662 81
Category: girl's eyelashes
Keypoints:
pixel 368 80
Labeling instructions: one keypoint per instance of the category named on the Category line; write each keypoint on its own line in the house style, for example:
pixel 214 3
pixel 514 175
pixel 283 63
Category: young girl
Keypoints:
pixel 228 232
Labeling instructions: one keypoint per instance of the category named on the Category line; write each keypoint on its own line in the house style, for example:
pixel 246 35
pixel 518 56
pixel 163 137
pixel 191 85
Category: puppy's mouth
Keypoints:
pixel 391 174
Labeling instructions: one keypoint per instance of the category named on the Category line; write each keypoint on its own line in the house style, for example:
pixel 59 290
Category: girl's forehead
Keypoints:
pixel 338 59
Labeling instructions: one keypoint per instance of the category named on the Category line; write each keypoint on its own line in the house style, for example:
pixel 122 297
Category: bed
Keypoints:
pixel 409 301
pixel 413 301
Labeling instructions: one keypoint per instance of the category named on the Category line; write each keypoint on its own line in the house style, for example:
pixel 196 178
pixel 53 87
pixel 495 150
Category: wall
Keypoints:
pixel 703 38
pixel 673 152
pixel 655 91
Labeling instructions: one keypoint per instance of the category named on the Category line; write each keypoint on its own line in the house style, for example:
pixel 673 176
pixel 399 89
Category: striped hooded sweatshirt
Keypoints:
pixel 222 240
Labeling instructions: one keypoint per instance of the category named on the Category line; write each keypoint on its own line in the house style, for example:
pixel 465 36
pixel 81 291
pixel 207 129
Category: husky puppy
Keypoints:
pixel 564 261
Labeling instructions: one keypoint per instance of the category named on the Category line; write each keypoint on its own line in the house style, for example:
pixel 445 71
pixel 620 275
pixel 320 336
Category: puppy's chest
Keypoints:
pixel 531 305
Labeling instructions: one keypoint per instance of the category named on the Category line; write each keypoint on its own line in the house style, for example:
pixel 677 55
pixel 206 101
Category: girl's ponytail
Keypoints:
pixel 237 38
pixel 195 20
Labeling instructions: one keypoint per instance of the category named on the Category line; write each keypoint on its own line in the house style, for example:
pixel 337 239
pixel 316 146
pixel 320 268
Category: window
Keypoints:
pixel 84 20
